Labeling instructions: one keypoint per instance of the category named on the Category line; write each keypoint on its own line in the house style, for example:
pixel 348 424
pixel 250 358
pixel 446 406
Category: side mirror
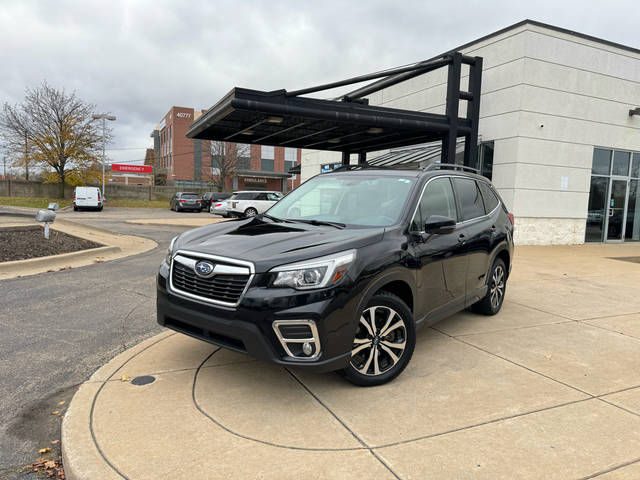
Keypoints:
pixel 439 224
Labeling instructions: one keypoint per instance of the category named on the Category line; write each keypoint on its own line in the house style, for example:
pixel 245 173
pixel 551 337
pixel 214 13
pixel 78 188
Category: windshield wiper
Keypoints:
pixel 318 222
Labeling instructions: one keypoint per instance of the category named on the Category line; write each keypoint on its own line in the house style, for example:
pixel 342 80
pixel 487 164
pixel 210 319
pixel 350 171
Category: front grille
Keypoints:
pixel 220 288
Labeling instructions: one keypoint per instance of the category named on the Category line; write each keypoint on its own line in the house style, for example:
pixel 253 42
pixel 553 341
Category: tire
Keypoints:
pixel 250 212
pixel 492 301
pixel 100 208
pixel 375 352
pixel 75 209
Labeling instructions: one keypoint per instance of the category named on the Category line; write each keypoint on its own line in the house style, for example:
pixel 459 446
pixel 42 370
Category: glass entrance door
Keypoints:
pixel 616 209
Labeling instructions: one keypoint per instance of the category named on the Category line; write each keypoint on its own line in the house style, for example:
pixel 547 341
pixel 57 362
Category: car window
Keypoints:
pixel 437 199
pixel 490 199
pixel 469 198
pixel 272 197
pixel 261 196
pixel 190 196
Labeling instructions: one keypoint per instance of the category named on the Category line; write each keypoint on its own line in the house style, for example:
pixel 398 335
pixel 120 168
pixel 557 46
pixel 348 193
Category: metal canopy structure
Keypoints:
pixel 349 124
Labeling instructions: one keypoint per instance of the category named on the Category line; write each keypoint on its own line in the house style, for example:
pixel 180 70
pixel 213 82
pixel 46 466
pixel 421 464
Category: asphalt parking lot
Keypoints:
pixel 549 388
pixel 58 328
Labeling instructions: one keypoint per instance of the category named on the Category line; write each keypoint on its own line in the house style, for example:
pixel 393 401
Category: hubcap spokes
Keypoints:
pixel 380 341
pixel 497 286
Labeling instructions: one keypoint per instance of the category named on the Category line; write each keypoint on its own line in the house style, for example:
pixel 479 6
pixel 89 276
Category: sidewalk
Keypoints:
pixel 549 388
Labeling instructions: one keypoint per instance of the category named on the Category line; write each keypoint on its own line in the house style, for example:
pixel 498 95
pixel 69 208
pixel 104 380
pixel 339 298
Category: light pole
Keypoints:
pixel 104 117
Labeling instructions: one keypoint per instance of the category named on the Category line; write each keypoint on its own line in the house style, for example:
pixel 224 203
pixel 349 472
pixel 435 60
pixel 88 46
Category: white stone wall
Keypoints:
pixel 547 99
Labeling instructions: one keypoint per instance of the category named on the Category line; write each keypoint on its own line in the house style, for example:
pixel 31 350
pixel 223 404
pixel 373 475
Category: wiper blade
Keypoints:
pixel 318 222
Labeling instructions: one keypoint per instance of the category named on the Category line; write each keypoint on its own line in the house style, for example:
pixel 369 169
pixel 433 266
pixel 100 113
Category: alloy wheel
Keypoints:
pixel 380 341
pixel 497 286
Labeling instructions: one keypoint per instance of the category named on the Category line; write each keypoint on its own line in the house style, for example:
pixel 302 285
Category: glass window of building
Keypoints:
pixel 289 154
pixel 268 152
pixel 635 166
pixel 621 162
pixel 601 162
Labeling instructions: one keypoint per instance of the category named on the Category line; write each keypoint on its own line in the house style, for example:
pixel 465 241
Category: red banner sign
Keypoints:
pixel 119 167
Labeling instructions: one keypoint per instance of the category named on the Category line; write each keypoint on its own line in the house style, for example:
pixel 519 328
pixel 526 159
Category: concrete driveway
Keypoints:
pixel 548 389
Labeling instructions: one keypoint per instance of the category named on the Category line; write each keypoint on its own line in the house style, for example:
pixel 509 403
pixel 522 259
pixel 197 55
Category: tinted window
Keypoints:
pixel 190 196
pixel 469 198
pixel 490 199
pixel 261 196
pixel 437 199
pixel 621 163
pixel 244 196
pixel 601 161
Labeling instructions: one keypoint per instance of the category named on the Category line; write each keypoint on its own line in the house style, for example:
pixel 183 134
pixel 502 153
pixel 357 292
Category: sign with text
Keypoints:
pixel 120 167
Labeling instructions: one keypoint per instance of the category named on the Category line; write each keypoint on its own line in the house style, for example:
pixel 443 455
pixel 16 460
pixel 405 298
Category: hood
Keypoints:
pixel 268 244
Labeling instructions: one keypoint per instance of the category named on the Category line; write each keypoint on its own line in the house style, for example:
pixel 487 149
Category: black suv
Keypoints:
pixel 339 273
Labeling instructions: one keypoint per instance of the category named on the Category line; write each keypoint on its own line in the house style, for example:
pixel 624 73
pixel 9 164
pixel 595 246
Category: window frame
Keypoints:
pixel 417 207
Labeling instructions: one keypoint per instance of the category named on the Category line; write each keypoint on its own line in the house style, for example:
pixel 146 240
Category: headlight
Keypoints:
pixel 170 251
pixel 315 273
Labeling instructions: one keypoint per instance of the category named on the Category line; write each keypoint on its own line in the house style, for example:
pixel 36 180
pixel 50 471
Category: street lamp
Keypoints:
pixel 104 117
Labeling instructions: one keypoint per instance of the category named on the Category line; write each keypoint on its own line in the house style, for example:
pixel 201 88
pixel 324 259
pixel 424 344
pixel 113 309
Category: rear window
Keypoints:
pixel 189 196
pixel 469 198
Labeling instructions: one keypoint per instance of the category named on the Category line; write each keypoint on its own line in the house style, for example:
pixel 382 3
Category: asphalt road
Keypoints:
pixel 57 328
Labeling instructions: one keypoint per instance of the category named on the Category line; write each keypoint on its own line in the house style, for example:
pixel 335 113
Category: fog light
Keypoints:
pixel 307 349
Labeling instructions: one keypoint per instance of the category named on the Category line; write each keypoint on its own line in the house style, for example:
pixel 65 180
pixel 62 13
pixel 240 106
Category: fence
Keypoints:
pixel 112 191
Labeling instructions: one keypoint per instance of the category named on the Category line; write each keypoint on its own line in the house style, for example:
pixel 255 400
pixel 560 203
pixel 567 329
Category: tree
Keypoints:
pixel 64 136
pixel 225 161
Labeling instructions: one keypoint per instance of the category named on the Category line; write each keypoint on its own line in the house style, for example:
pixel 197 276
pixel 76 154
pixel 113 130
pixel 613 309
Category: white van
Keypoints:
pixel 87 197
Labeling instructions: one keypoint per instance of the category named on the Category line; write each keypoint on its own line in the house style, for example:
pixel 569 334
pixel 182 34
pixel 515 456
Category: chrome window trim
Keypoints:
pixel 315 339
pixel 206 256
pixel 464 222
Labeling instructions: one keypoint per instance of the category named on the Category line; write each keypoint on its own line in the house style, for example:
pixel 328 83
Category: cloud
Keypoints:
pixel 136 59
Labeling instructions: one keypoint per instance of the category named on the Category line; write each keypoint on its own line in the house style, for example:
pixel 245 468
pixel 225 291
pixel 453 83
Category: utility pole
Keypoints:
pixel 26 159
pixel 104 117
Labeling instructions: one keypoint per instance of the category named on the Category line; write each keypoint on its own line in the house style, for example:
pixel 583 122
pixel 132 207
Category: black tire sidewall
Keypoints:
pixel 386 299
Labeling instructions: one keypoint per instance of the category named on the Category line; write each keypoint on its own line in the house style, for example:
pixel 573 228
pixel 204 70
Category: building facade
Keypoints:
pixel 191 163
pixel 559 128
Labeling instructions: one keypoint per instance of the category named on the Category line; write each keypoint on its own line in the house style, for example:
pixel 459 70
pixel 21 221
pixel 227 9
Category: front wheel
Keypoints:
pixel 497 286
pixel 383 343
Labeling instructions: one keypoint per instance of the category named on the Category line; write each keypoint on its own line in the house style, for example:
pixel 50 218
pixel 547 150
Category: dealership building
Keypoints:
pixel 559 131
pixel 188 162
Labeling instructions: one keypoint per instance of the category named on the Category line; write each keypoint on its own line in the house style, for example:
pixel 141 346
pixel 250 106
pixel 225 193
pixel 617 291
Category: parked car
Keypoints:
pixel 209 198
pixel 251 203
pixel 185 201
pixel 340 272
pixel 87 197
pixel 221 207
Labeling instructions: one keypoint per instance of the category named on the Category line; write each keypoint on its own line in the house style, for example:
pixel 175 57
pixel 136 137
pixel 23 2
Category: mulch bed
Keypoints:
pixel 29 242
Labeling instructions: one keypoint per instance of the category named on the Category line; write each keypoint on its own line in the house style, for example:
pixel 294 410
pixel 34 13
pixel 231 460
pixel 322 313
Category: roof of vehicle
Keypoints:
pixel 256 191
pixel 186 193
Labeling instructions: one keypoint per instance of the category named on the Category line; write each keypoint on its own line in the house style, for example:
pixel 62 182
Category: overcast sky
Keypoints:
pixel 136 59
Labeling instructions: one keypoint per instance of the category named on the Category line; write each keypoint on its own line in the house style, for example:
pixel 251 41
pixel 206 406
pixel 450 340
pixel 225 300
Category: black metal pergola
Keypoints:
pixel 349 124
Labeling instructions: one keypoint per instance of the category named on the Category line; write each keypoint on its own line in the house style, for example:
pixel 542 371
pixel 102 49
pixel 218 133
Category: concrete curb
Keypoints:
pixel 55 262
pixel 81 458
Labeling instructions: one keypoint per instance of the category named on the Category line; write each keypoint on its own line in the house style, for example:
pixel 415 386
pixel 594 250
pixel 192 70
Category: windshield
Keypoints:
pixel 359 200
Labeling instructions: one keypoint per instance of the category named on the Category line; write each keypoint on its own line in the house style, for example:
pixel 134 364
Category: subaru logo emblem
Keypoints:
pixel 204 269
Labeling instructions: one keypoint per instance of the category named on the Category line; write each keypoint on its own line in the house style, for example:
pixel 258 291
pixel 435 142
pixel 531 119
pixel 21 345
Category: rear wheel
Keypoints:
pixel 250 212
pixel 492 301
pixel 75 208
pixel 383 343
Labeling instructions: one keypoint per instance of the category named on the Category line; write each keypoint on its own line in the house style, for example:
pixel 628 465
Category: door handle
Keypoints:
pixel 493 228
pixel 461 238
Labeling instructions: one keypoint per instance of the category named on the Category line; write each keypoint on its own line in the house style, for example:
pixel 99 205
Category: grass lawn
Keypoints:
pixel 43 202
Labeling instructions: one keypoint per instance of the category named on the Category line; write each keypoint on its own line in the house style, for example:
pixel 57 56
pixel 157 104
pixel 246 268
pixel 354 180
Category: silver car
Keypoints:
pixel 221 207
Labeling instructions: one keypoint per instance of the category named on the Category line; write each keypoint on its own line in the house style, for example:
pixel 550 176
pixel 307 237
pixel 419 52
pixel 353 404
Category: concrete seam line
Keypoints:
pixel 61 258
pixel 612 469
pixel 362 442
pixel 70 474
pixel 246 437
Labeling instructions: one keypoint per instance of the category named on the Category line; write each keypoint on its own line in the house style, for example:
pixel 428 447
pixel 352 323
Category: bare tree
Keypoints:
pixel 226 158
pixel 59 128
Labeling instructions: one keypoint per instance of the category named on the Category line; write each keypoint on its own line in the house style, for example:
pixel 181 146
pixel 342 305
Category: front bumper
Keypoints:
pixel 248 327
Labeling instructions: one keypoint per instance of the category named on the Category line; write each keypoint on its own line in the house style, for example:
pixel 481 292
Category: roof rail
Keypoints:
pixel 359 166
pixel 452 166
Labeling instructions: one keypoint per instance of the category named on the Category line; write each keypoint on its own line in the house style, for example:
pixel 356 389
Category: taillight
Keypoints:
pixel 218 205
pixel 98 196
pixel 233 205
pixel 511 218
pixel 182 201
